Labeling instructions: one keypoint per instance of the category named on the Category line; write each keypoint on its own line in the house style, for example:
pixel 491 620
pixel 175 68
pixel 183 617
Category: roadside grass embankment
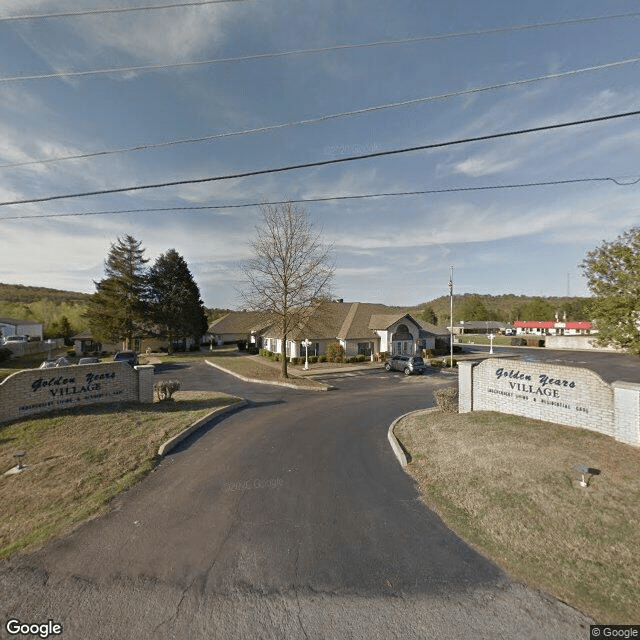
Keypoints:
pixel 247 366
pixel 77 461
pixel 507 485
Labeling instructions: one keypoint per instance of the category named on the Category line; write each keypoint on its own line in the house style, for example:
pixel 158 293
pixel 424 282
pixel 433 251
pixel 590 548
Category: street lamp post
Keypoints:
pixel 451 317
pixel 491 336
pixel 306 344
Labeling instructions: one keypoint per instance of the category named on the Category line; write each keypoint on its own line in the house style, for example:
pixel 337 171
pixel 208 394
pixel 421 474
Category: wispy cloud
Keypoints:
pixel 487 164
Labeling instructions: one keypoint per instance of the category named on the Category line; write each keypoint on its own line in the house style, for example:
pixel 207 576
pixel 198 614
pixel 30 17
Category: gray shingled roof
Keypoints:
pixel 431 328
pixel 239 322
pixel 327 321
pixel 382 321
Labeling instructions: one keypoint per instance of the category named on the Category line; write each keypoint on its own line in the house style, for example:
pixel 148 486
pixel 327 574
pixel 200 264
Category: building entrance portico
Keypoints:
pixel 402 341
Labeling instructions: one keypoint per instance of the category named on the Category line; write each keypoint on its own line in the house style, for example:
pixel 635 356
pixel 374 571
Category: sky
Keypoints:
pixel 392 250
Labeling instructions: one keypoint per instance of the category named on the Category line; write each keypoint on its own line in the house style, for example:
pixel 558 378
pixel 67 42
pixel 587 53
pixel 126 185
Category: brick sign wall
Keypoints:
pixel 36 391
pixel 565 395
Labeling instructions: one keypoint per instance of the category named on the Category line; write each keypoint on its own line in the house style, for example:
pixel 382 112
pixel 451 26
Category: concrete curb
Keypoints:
pixel 393 441
pixel 271 382
pixel 170 444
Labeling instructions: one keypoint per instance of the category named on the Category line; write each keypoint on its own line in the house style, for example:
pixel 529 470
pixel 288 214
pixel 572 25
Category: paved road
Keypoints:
pixel 610 366
pixel 289 519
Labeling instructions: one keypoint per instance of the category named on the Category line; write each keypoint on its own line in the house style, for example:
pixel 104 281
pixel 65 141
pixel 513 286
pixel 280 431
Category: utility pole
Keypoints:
pixel 451 316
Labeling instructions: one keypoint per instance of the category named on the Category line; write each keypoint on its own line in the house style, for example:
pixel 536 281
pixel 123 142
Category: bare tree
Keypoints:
pixel 289 271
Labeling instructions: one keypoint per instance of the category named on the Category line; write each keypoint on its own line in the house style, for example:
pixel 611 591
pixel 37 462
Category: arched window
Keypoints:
pixel 402 333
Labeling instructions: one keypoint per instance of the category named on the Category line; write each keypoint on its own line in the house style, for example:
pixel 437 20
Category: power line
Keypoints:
pixel 320 163
pixel 281 54
pixel 540 25
pixel 521 185
pixel 323 118
pixel 93 12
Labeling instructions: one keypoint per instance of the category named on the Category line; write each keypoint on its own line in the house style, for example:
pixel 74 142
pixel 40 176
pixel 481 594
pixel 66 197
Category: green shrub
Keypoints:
pixel 322 358
pixel 447 360
pixel 435 362
pixel 313 359
pixel 335 352
pixel 296 360
pixel 447 399
pixel 5 354
pixel 361 357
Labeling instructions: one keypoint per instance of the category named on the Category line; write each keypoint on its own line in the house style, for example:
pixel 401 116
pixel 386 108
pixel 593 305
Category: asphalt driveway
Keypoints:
pixel 289 519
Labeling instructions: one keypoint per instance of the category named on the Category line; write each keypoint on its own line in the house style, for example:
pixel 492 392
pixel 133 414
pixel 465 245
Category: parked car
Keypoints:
pixel 55 362
pixel 130 357
pixel 14 339
pixel 408 364
pixel 88 360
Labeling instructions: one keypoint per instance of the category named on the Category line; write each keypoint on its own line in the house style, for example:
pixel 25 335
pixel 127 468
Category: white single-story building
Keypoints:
pixel 14 327
pixel 360 328
pixel 550 328
pixel 480 326
pixel 238 325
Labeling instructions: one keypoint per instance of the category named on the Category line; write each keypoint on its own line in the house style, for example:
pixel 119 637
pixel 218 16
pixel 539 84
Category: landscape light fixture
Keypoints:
pixel 306 343
pixel 18 455
pixel 584 470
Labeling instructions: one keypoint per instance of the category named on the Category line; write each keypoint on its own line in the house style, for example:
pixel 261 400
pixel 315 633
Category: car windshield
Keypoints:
pixel 418 360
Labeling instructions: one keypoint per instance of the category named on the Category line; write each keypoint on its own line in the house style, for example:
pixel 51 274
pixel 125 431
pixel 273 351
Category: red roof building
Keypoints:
pixel 552 328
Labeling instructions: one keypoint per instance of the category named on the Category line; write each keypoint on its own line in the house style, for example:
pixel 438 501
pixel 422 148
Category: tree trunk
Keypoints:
pixel 285 374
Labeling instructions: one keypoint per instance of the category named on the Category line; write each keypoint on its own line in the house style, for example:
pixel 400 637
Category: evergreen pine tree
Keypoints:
pixel 117 310
pixel 174 299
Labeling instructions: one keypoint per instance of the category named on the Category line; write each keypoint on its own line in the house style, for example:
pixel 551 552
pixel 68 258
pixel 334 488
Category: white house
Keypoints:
pixel 550 328
pixel 13 327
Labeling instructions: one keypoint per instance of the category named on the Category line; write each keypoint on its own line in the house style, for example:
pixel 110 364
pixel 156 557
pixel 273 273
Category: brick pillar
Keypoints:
pixel 626 412
pixel 145 382
pixel 465 386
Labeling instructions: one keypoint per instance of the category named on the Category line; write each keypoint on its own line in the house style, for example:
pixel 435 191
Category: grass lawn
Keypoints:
pixel 507 485
pixel 478 338
pixel 228 357
pixel 78 460
pixel 261 369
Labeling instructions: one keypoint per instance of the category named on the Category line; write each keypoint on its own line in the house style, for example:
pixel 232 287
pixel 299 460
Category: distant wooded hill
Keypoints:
pixel 51 306
pixel 503 308
pixel 48 306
